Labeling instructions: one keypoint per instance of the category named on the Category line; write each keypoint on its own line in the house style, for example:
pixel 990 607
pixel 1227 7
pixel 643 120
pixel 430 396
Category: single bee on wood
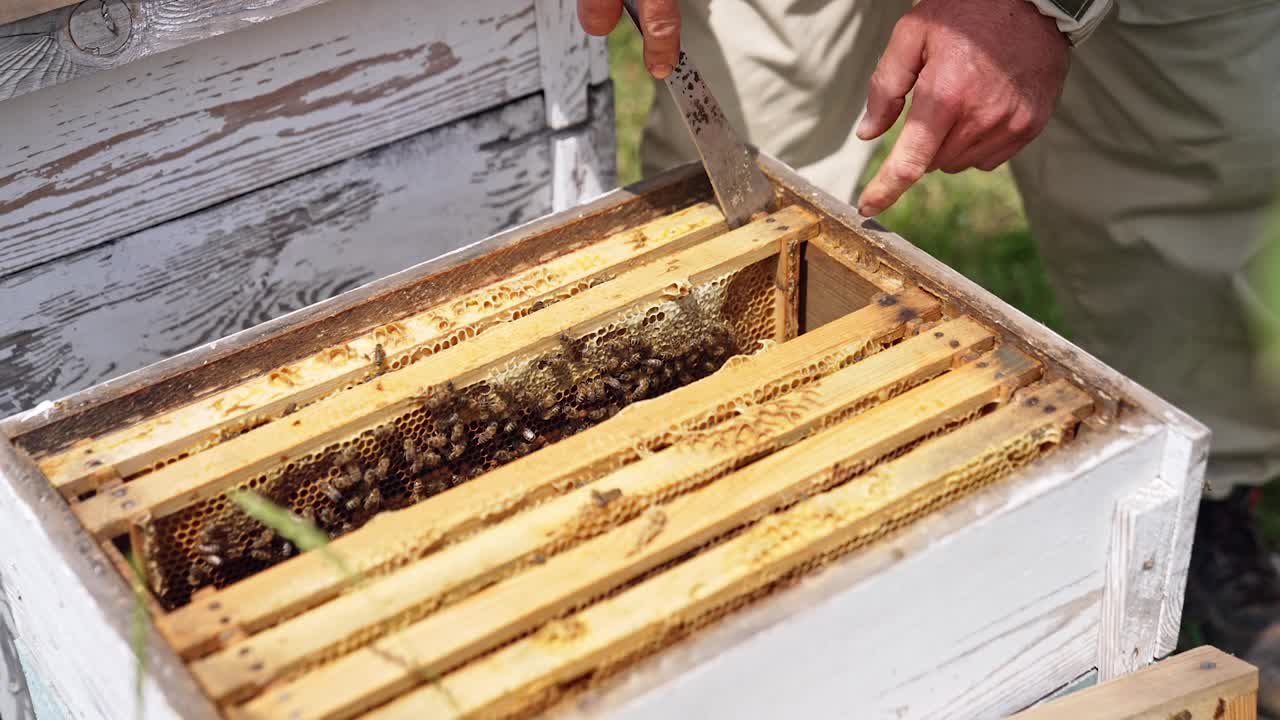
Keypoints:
pixel 379 359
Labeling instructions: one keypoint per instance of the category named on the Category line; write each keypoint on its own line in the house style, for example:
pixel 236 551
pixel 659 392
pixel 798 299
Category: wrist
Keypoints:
pixel 1077 19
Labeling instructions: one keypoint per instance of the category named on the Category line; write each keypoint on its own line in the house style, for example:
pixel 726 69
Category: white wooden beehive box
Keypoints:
pixel 616 462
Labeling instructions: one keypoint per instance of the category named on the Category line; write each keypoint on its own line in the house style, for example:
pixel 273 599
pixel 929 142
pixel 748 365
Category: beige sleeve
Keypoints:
pixel 1077 19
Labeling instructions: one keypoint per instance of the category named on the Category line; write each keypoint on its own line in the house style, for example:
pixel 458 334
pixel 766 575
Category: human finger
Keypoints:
pixel 893 78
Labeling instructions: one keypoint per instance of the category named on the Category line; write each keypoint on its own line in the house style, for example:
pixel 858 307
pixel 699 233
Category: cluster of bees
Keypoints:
pixel 468 432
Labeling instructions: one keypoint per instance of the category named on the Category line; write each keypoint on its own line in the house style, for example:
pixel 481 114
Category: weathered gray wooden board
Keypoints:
pixel 113 308
pixel 49 48
pixel 113 153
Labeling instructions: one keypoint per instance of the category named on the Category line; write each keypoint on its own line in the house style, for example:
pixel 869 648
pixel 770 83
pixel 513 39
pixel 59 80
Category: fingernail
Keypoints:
pixel 864 127
pixel 661 71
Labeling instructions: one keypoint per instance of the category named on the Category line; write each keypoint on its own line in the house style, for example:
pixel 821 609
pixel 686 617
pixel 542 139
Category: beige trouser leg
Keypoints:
pixel 792 77
pixel 1149 194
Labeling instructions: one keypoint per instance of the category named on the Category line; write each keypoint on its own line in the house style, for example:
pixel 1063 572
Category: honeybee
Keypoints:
pixel 528 435
pixel 615 385
pixel 410 453
pixel 260 555
pixel 431 459
pixel 353 503
pixel 456 451
pixel 342 483
pixel 331 492
pixel 379 359
pixel 214 560
pixel 209 548
pixel 373 500
pixel 570 348
pixel 384 466
pixel 490 431
pixel 457 432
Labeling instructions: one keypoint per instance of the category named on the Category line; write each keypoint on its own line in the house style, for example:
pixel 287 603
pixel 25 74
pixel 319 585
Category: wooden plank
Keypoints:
pixel 1200 683
pixel 786 292
pixel 47 47
pixel 1184 462
pixel 19 9
pixel 242 668
pixel 135 448
pixel 309 579
pixel 212 120
pixel 175 381
pixel 974 646
pixel 212 472
pixel 646 615
pixel 563 60
pixel 75 618
pixel 665 532
pixel 830 289
pixel 1137 567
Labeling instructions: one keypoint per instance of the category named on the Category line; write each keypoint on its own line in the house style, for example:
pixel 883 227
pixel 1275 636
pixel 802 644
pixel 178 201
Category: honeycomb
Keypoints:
pixel 455 434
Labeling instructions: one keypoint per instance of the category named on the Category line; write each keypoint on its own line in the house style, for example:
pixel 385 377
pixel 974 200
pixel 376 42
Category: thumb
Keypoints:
pixel 893 78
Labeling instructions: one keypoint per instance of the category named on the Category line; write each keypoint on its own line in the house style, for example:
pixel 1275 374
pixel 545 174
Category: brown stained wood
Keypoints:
pixel 665 532
pixel 830 288
pixel 696 458
pixel 786 288
pixel 1201 684
pixel 216 119
pixel 212 472
pixel 644 617
pixel 309 579
pixel 135 448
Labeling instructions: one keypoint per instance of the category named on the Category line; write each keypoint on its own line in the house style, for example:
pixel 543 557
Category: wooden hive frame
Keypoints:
pixel 672 545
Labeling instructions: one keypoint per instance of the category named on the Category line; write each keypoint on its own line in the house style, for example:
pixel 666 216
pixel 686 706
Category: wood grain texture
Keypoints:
pixel 153 294
pixel 1137 568
pixel 287 589
pixel 73 614
pixel 645 485
pixel 20 9
pixel 212 472
pixel 1201 684
pixel 1185 456
pixel 651 614
pixel 185 130
pixel 1011 622
pixel 564 61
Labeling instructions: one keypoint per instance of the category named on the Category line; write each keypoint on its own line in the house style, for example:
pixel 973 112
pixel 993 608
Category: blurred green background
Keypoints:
pixel 971 221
